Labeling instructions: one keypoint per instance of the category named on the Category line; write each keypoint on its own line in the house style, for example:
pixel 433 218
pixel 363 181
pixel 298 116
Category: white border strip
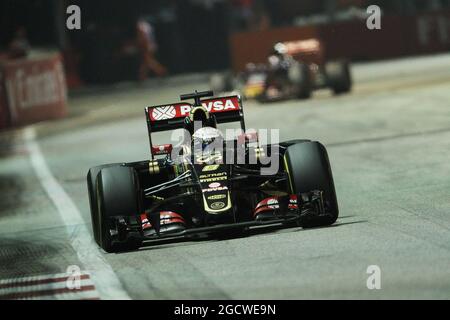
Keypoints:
pixel 107 283
pixel 79 295
pixel 42 287
pixel 39 277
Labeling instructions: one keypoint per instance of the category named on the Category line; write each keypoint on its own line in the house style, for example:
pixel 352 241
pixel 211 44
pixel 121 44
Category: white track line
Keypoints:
pixel 103 276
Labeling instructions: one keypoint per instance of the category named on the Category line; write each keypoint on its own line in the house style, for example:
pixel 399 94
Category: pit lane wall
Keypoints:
pixel 32 89
pixel 398 36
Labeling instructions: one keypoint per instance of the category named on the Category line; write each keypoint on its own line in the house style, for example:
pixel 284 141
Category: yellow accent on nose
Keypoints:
pixel 289 175
pixel 253 91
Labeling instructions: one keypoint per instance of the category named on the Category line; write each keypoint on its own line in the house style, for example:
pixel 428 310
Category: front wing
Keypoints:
pixel 301 216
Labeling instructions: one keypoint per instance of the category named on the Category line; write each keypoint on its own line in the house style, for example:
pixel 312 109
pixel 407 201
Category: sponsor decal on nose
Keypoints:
pixel 214 185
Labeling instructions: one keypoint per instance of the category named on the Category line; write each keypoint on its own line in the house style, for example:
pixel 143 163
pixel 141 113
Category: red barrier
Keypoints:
pixel 432 32
pixel 398 36
pixel 355 41
pixel 35 89
pixel 4 113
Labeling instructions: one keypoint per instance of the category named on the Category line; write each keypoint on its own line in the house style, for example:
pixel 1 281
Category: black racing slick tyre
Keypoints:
pixel 294 141
pixel 117 195
pixel 308 169
pixel 299 75
pixel 91 184
pixel 339 76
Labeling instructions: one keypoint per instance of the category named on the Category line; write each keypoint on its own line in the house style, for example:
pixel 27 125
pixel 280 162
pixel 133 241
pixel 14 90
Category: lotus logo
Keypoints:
pixel 217 205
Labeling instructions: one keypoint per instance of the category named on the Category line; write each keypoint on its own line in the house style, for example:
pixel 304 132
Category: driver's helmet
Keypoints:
pixel 204 137
pixel 280 49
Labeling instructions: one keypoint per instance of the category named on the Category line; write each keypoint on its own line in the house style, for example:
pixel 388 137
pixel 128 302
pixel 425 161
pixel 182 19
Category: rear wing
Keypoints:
pixel 171 116
pixel 309 50
pixel 303 46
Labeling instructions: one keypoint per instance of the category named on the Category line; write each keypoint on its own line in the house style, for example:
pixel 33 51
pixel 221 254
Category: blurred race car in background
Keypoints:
pixel 192 189
pixel 293 69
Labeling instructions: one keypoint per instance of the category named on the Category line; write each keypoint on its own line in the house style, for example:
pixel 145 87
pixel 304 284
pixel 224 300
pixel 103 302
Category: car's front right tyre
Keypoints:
pixel 116 194
pixel 339 76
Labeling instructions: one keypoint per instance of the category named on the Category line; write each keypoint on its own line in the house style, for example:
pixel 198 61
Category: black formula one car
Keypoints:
pixel 294 69
pixel 192 189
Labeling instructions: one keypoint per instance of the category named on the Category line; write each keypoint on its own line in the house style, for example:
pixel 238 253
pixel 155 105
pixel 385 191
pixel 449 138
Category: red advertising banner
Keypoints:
pixel 35 89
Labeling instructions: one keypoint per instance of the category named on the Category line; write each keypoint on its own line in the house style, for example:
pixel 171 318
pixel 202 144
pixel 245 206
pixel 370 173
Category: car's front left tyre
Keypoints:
pixel 308 169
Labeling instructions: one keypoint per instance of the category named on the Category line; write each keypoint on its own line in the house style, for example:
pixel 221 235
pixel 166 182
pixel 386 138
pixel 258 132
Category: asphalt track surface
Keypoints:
pixel 389 146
